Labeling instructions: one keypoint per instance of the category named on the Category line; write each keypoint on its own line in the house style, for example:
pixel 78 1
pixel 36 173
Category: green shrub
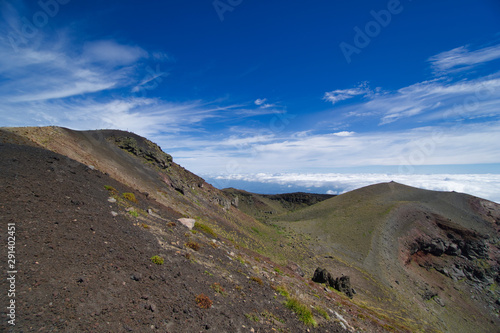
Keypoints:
pixel 256 279
pixel 157 260
pixel 252 316
pixel 218 288
pixel 130 197
pixel 205 228
pixel 302 311
pixel 133 213
pixel 203 301
pixel 193 245
pixel 282 291
pixel 257 231
pixel 322 312
pixel 110 188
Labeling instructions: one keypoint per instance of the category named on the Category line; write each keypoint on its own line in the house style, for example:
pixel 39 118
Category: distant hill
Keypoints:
pixel 92 209
pixel 263 206
pixel 408 246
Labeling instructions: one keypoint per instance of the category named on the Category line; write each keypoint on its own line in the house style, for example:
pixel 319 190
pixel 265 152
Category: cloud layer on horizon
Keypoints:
pixel 481 185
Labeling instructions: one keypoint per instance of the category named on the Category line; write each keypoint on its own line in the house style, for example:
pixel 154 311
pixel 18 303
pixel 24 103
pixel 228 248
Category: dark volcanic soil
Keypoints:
pixel 81 269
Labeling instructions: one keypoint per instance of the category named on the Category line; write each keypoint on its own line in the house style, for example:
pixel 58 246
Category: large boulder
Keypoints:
pixel 342 284
pixel 321 275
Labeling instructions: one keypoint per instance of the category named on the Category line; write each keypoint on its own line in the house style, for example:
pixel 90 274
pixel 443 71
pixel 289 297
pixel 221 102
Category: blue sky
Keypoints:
pixel 239 87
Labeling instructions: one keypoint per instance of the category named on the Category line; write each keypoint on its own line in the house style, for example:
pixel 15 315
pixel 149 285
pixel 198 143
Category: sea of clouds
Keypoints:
pixel 485 186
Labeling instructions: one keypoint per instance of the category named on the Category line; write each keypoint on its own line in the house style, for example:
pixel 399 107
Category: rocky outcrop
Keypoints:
pixel 459 254
pixel 342 284
pixel 148 151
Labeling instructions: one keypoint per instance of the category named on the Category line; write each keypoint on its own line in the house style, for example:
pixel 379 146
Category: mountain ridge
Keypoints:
pixel 399 245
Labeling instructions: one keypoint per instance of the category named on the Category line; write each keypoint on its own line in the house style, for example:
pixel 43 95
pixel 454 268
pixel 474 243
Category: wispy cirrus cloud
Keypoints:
pixel 263 104
pixel 462 58
pixel 443 97
pixel 338 95
pixel 57 80
pixel 112 53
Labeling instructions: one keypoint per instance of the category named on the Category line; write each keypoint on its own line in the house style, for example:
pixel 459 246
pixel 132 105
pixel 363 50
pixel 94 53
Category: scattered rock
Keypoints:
pixel 296 268
pixel 115 214
pixel 136 276
pixel 189 223
pixel 111 199
pixel 439 301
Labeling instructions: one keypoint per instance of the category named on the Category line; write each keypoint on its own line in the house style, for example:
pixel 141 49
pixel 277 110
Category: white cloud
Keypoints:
pixel 436 100
pixel 461 58
pixel 261 102
pixel 338 95
pixel 110 52
pixel 481 185
pixel 344 133
pixel 53 72
pixel 271 152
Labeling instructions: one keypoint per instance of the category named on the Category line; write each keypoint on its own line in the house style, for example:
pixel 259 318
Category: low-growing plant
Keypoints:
pixel 322 312
pixel 157 260
pixel 218 288
pixel 133 213
pixel 205 228
pixel 272 316
pixel 252 316
pixel 145 226
pixel 277 270
pixel 193 245
pixel 130 197
pixel 240 259
pixel 203 301
pixel 282 291
pixel 257 231
pixel 110 188
pixel 257 279
pixel 302 311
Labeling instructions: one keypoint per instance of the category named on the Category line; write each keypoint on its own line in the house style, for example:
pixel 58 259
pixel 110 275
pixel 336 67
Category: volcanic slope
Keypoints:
pixel 142 165
pixel 419 260
pixel 89 246
pixel 412 253
pixel 95 255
